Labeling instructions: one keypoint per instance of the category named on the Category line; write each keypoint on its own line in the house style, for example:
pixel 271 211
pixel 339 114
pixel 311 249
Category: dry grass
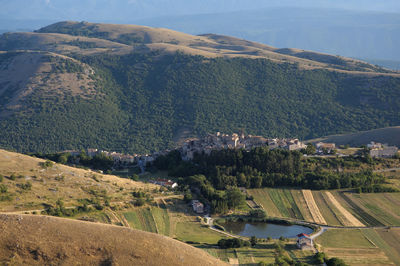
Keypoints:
pixel 58 181
pixel 316 214
pixel 42 240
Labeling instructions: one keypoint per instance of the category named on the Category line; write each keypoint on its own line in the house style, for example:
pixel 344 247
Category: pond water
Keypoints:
pixel 264 230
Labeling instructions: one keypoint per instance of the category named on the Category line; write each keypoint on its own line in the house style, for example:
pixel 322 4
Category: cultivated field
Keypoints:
pixel 361 246
pixel 282 203
pixel 262 252
pixel 349 219
pixel 312 206
pixel 336 208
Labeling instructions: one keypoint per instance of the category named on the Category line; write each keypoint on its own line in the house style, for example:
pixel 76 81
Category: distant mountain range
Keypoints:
pixel 132 89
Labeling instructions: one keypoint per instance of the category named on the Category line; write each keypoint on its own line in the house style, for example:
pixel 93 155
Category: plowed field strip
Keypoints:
pixel 348 216
pixel 312 206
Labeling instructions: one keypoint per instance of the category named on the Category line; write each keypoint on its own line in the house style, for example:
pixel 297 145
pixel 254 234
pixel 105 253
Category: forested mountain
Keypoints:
pixel 134 89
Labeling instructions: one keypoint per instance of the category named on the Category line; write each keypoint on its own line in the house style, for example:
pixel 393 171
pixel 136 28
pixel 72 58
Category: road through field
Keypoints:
pixel 353 221
pixel 315 213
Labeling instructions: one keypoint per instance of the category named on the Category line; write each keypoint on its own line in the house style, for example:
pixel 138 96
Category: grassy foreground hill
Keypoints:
pixel 134 89
pixel 43 240
pixel 32 185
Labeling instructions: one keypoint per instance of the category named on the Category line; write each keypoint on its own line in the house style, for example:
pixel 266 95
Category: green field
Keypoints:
pixel 262 252
pixel 376 209
pixel 279 202
pixel 362 246
pixel 141 219
pixel 195 232
pixel 161 218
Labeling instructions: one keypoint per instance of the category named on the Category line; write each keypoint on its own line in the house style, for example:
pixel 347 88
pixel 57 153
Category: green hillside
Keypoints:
pixel 140 101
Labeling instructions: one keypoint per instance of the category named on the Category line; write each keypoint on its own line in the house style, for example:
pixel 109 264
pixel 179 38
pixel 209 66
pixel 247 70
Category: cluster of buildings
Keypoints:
pixel 234 141
pixel 379 150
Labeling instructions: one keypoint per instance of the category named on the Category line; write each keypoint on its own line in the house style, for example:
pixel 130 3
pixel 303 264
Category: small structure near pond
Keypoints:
pixel 304 241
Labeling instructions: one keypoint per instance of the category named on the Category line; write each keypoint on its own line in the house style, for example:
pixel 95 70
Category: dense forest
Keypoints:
pixel 143 101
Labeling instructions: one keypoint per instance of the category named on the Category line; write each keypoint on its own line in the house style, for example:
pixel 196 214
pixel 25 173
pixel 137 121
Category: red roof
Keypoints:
pixel 302 234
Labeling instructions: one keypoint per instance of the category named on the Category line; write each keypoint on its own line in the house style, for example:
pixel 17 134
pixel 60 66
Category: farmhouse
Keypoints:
pixel 304 241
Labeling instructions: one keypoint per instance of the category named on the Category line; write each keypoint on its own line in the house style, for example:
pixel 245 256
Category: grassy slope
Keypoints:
pixel 58 181
pixel 390 135
pixel 209 45
pixel 38 240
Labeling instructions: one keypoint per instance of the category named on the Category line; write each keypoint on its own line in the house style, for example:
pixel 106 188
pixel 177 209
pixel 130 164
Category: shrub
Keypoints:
pixel 46 164
pixel 232 243
pixel 26 186
pixel 335 262
pixel 1 178
pixel 3 188
pixel 320 258
pixel 258 213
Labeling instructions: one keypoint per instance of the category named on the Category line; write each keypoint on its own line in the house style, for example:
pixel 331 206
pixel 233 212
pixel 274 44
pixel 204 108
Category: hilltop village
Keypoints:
pixel 219 141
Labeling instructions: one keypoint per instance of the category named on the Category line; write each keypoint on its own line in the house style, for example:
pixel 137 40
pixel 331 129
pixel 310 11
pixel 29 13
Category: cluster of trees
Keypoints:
pixel 220 201
pixel 100 161
pixel 233 243
pixel 61 211
pixel 142 100
pixel 261 167
pixel 322 258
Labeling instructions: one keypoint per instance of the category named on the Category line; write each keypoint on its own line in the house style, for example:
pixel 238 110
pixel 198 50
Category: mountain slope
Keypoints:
pixel 135 88
pixel 42 240
pixel 389 135
pixel 73 37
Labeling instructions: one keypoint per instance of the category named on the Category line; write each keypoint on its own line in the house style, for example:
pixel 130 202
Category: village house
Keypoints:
pixel 374 145
pixel 165 183
pixel 321 147
pixel 304 241
pixel 384 152
pixel 198 207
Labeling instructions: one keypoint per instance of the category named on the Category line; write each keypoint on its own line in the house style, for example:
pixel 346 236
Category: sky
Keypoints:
pixel 123 10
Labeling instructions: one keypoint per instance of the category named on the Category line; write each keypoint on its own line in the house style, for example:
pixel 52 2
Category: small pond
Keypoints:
pixel 264 230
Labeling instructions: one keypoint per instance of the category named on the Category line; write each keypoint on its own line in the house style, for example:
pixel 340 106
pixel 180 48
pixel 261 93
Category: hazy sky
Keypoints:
pixel 122 10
